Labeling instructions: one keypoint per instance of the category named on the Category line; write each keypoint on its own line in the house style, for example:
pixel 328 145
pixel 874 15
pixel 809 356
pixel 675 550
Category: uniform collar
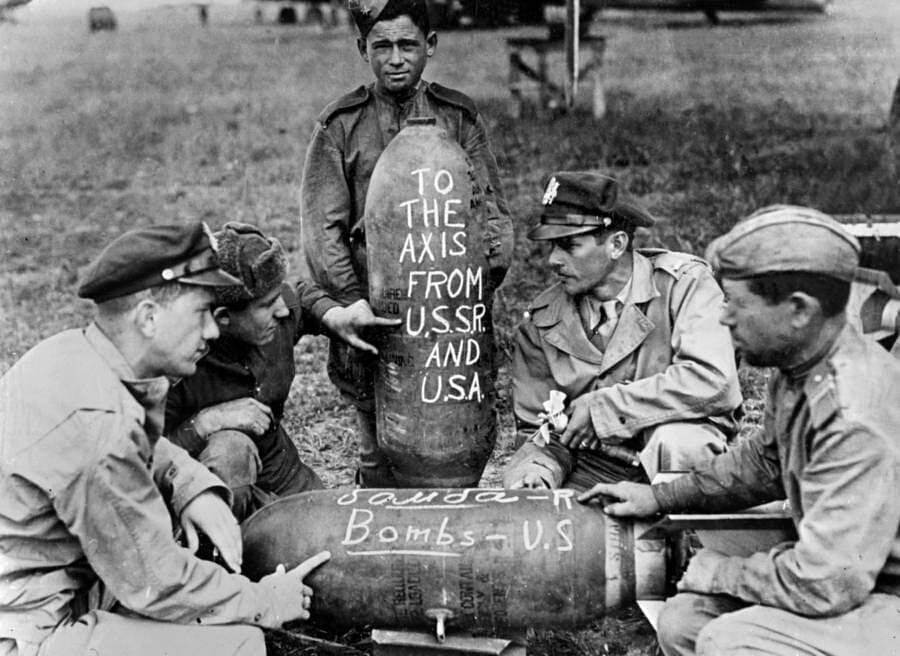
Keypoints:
pixel 800 372
pixel 556 314
pixel 149 392
pixel 395 100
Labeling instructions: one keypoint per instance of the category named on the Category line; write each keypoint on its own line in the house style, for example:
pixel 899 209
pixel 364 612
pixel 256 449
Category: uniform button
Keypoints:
pixel 622 420
pixel 818 378
pixel 257 618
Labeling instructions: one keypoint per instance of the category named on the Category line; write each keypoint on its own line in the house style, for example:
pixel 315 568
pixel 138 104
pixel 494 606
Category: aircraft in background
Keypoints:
pixel 6 7
pixel 505 12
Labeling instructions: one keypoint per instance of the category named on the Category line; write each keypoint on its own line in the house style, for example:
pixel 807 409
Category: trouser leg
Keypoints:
pixel 869 629
pixel 282 471
pixel 683 617
pixel 100 633
pixel 374 466
pixel 232 456
pixel 680 446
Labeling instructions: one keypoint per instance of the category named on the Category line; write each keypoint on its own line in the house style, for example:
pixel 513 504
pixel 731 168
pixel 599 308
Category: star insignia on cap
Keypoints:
pixel 213 242
pixel 550 191
pixel 360 7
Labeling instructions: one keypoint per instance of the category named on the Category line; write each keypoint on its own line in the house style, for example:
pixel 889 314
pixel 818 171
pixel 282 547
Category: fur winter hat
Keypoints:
pixel 258 261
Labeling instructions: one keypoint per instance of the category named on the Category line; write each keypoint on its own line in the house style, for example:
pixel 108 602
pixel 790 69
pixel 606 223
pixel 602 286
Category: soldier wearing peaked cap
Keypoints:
pixel 228 414
pixel 830 446
pixel 396 40
pixel 89 487
pixel 631 338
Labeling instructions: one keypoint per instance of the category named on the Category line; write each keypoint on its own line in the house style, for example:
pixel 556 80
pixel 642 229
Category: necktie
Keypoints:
pixel 607 325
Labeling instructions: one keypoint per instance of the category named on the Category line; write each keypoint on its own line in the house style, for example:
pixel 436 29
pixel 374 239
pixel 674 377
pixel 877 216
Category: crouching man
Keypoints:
pixel 228 414
pixel 89 487
pixel 631 338
pixel 830 444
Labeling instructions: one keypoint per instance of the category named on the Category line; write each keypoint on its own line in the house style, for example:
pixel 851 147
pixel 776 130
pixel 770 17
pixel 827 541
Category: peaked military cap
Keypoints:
pixel 576 202
pixel 368 12
pixel 152 256
pixel 783 238
pixel 257 261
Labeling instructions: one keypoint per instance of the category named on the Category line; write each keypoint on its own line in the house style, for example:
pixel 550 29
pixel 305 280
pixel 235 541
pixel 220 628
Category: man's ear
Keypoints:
pixel 804 309
pixel 222 316
pixel 431 43
pixel 144 315
pixel 618 244
pixel 363 48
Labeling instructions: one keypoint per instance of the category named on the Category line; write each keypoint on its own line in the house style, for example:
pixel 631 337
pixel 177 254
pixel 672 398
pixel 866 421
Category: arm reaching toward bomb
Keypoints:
pixel 289 594
pixel 623 499
pixel 348 322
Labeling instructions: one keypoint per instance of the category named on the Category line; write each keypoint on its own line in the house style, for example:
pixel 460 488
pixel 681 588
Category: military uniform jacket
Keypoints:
pixel 234 370
pixel 668 360
pixel 830 444
pixel 347 141
pixel 86 489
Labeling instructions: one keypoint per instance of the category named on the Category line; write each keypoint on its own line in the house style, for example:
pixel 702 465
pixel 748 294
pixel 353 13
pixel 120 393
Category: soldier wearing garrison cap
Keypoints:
pixel 631 337
pixel 396 41
pixel 90 487
pixel 830 446
pixel 228 414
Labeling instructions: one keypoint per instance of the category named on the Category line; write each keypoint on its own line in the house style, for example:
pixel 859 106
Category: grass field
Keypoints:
pixel 165 121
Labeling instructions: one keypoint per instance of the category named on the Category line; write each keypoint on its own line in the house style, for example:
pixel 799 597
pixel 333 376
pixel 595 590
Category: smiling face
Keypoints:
pixel 181 329
pixel 761 331
pixel 397 50
pixel 256 323
pixel 587 264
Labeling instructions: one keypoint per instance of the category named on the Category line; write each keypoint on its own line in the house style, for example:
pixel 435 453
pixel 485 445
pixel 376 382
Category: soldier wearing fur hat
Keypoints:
pixel 228 414
pixel 830 445
pixel 89 487
pixel 396 40
pixel 630 337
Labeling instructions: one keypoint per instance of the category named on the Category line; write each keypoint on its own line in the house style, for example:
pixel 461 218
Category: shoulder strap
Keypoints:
pixel 355 98
pixel 453 97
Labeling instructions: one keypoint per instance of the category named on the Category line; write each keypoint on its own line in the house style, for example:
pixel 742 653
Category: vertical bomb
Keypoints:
pixel 434 382
pixel 488 559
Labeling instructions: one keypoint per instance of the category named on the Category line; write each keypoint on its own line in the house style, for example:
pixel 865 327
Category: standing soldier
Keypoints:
pixel 830 445
pixel 396 40
pixel 89 487
pixel 630 337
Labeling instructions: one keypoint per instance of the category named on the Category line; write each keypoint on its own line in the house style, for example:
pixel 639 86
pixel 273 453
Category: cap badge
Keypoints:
pixel 213 242
pixel 360 7
pixel 550 191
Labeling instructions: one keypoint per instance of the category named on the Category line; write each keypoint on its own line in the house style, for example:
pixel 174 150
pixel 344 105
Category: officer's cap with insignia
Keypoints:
pixel 368 12
pixel 577 202
pixel 782 239
pixel 146 257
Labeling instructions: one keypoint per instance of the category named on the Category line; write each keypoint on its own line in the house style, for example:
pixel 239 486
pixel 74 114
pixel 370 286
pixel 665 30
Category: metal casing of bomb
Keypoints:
pixel 434 381
pixel 487 559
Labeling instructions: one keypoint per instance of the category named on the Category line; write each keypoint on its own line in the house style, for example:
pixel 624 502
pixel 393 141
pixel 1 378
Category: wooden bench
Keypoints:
pixel 524 77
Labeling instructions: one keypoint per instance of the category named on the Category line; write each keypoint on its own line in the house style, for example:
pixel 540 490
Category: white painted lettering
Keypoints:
pixel 353 525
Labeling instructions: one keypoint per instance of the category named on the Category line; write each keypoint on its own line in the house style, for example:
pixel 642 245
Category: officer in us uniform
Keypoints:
pixel 90 488
pixel 631 337
pixel 396 40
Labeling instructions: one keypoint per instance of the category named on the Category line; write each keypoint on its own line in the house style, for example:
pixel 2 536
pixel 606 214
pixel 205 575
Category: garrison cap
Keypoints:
pixel 576 202
pixel 147 257
pixel 783 238
pixel 257 261
pixel 368 12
